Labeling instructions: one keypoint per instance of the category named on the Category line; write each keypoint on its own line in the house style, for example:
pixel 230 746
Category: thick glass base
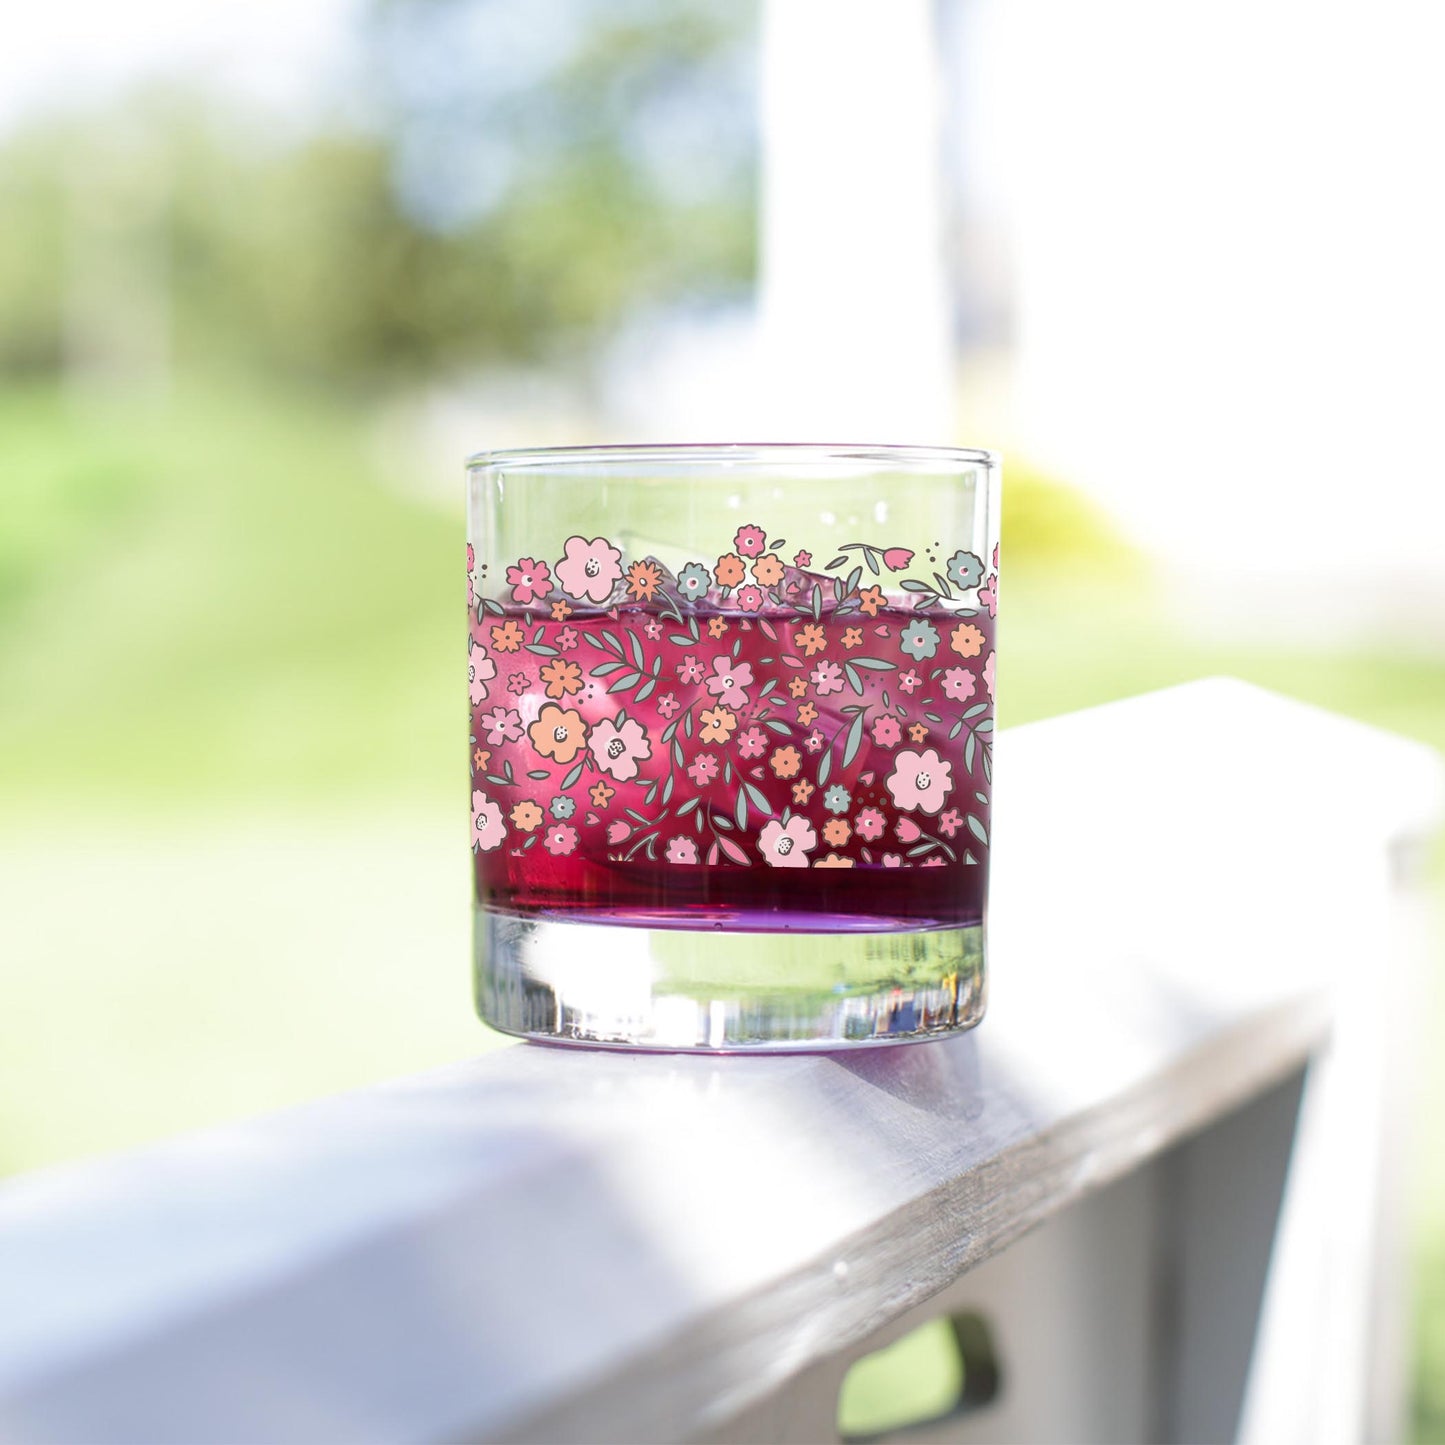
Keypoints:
pixel 655 988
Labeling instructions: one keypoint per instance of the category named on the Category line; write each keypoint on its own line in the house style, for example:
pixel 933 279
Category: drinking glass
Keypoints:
pixel 731 742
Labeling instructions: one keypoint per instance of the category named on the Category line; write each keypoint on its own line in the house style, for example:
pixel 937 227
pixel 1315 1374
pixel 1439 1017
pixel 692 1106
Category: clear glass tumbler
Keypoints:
pixel 731 742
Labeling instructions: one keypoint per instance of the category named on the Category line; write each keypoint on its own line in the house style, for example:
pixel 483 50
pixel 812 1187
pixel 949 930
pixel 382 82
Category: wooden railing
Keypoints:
pixel 1157 1177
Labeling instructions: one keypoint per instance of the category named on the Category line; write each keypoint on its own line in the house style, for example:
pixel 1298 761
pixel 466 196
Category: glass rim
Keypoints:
pixel 733 453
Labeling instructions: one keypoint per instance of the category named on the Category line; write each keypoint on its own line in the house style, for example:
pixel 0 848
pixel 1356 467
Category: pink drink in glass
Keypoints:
pixel 872 766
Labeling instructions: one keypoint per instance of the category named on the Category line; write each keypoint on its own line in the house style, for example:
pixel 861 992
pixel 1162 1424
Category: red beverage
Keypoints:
pixel 804 766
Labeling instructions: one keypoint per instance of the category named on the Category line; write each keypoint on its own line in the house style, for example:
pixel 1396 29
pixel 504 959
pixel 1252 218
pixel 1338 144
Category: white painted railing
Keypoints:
pixel 1155 1171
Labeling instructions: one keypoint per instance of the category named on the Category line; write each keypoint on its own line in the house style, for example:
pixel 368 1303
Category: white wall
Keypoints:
pixel 1228 231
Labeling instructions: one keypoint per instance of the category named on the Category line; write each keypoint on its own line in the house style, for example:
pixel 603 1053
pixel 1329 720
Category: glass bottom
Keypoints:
pixel 719 991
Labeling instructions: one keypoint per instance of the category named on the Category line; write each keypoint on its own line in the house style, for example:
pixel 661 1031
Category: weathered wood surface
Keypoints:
pixel 554 1244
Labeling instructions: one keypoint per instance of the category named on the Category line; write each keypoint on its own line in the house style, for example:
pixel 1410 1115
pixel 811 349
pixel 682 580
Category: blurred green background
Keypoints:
pixel 232 855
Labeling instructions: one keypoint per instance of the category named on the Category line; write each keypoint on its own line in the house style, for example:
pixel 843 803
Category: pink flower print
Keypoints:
pixel 730 681
pixel 566 639
pixel 988 676
pixel 752 742
pixel 897 558
pixel 618 832
pixel 529 580
pixel 934 862
pixel 502 725
pixel 886 732
pixel 480 671
pixel 995 556
pixel 518 683
pixel 909 681
pixel 814 741
pixel 868 825
pixel 750 598
pixel 802 559
pixel 682 850
pixel 827 677
pixel 488 830
pixel 653 628
pixel 907 831
pixel 560 839
pixel 950 822
pixel 787 847
pixel 668 704
pixel 958 683
pixel 703 769
pixel 988 594
pixel 750 540
pixel 589 570
pixel 690 669
pixel 920 780
pixel 892 860
pixel 619 750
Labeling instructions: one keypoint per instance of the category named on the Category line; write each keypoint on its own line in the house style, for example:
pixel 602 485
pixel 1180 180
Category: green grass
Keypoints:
pixel 222 600
pixel 231 750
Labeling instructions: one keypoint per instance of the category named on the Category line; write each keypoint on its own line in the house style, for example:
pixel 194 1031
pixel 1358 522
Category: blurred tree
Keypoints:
pixel 31 232
pixel 509 187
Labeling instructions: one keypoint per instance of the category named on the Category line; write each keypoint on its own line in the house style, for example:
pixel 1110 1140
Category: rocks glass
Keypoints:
pixel 732 742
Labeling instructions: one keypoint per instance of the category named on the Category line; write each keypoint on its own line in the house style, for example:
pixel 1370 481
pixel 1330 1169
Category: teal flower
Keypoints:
pixel 693 581
pixel 919 639
pixel 965 571
pixel 562 806
pixel 837 798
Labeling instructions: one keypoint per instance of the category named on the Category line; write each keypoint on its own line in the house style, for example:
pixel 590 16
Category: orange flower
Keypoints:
pixel 811 639
pixel 716 627
pixel 918 732
pixel 481 758
pixel 785 762
pixel 797 687
pixel 836 832
pixel 966 640
pixel 556 734
pixel 526 815
pixel 562 678
pixel 718 724
pixel 834 860
pixel 729 570
pixel 507 636
pixel 643 580
pixel 802 791
pixel 853 637
pixel 806 713
pixel 561 611
pixel 601 794
pixel 870 599
pixel 767 570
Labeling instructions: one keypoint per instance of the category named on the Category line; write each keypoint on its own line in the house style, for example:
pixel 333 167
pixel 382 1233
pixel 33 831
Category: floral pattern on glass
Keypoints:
pixel 744 711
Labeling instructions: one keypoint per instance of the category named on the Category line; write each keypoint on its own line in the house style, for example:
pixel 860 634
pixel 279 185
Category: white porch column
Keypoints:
pixel 855 316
